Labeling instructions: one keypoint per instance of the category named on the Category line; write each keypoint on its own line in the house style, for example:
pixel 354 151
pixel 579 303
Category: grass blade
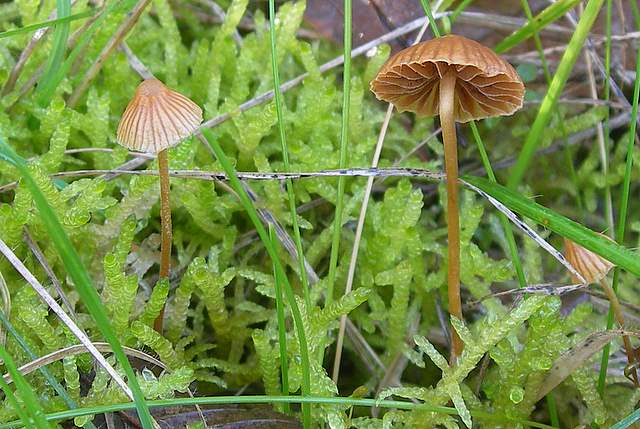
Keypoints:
pixel 33 412
pixel 60 36
pixel 560 78
pixel 34 27
pixel 209 138
pixel 78 273
pixel 552 13
pixel 46 89
pixel 248 399
pixel 617 254
pixel 344 141
pixel 282 332
pixel 285 156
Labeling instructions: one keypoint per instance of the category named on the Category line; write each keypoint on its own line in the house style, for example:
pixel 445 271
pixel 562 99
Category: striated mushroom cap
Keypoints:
pixel 157 118
pixel 591 266
pixel 486 84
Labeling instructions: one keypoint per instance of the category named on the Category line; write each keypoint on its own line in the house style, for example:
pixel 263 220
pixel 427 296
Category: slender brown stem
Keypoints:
pixel 447 122
pixel 617 312
pixel 165 219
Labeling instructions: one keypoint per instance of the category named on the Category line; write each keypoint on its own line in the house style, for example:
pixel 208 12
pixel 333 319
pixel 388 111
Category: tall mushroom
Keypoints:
pixel 460 80
pixel 156 119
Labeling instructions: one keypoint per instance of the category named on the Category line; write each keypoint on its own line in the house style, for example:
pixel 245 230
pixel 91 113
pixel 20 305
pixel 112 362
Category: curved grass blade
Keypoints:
pixel 78 273
pixel 217 400
pixel 33 412
pixel 552 13
pixel 34 27
pixel 611 251
pixel 60 36
pixel 559 79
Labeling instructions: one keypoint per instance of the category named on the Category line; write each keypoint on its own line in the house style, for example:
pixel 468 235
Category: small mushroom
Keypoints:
pixel 156 119
pixel 460 80
pixel 594 269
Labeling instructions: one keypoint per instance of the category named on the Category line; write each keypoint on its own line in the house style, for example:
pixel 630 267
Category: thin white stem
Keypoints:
pixel 53 304
pixel 356 242
pixel 360 226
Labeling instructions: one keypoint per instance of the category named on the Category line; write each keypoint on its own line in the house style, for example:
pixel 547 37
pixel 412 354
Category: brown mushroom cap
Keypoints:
pixel 157 118
pixel 486 84
pixel 591 266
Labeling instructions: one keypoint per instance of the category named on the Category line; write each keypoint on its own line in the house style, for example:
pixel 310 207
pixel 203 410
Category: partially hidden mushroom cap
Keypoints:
pixel 591 266
pixel 486 84
pixel 157 118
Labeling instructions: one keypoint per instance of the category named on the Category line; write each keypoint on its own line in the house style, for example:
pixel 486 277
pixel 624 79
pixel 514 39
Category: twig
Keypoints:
pixel 527 230
pixel 135 63
pixel 249 175
pixel 120 33
pixel 53 304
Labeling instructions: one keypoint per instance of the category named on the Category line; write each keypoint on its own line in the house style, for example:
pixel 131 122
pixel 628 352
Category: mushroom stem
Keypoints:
pixel 165 220
pixel 617 312
pixel 447 122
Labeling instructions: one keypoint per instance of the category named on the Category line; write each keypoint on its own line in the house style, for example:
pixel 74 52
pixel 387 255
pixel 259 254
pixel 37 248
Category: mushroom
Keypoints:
pixel 156 119
pixel 594 269
pixel 460 80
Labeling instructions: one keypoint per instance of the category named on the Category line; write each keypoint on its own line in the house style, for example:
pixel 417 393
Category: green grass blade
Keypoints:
pixel 624 207
pixel 11 398
pixel 426 6
pixel 627 421
pixel 506 225
pixel 282 331
pixel 611 251
pixel 556 111
pixel 34 27
pixel 552 13
pixel 288 290
pixel 47 89
pixel 344 141
pixel 285 156
pixel 61 34
pixel 34 412
pixel 265 399
pixel 78 273
pixel 547 107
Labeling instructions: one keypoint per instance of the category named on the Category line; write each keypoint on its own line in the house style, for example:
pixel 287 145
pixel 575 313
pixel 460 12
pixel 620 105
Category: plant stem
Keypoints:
pixel 282 333
pixel 165 220
pixel 622 217
pixel 617 312
pixel 447 122
pixel 285 157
